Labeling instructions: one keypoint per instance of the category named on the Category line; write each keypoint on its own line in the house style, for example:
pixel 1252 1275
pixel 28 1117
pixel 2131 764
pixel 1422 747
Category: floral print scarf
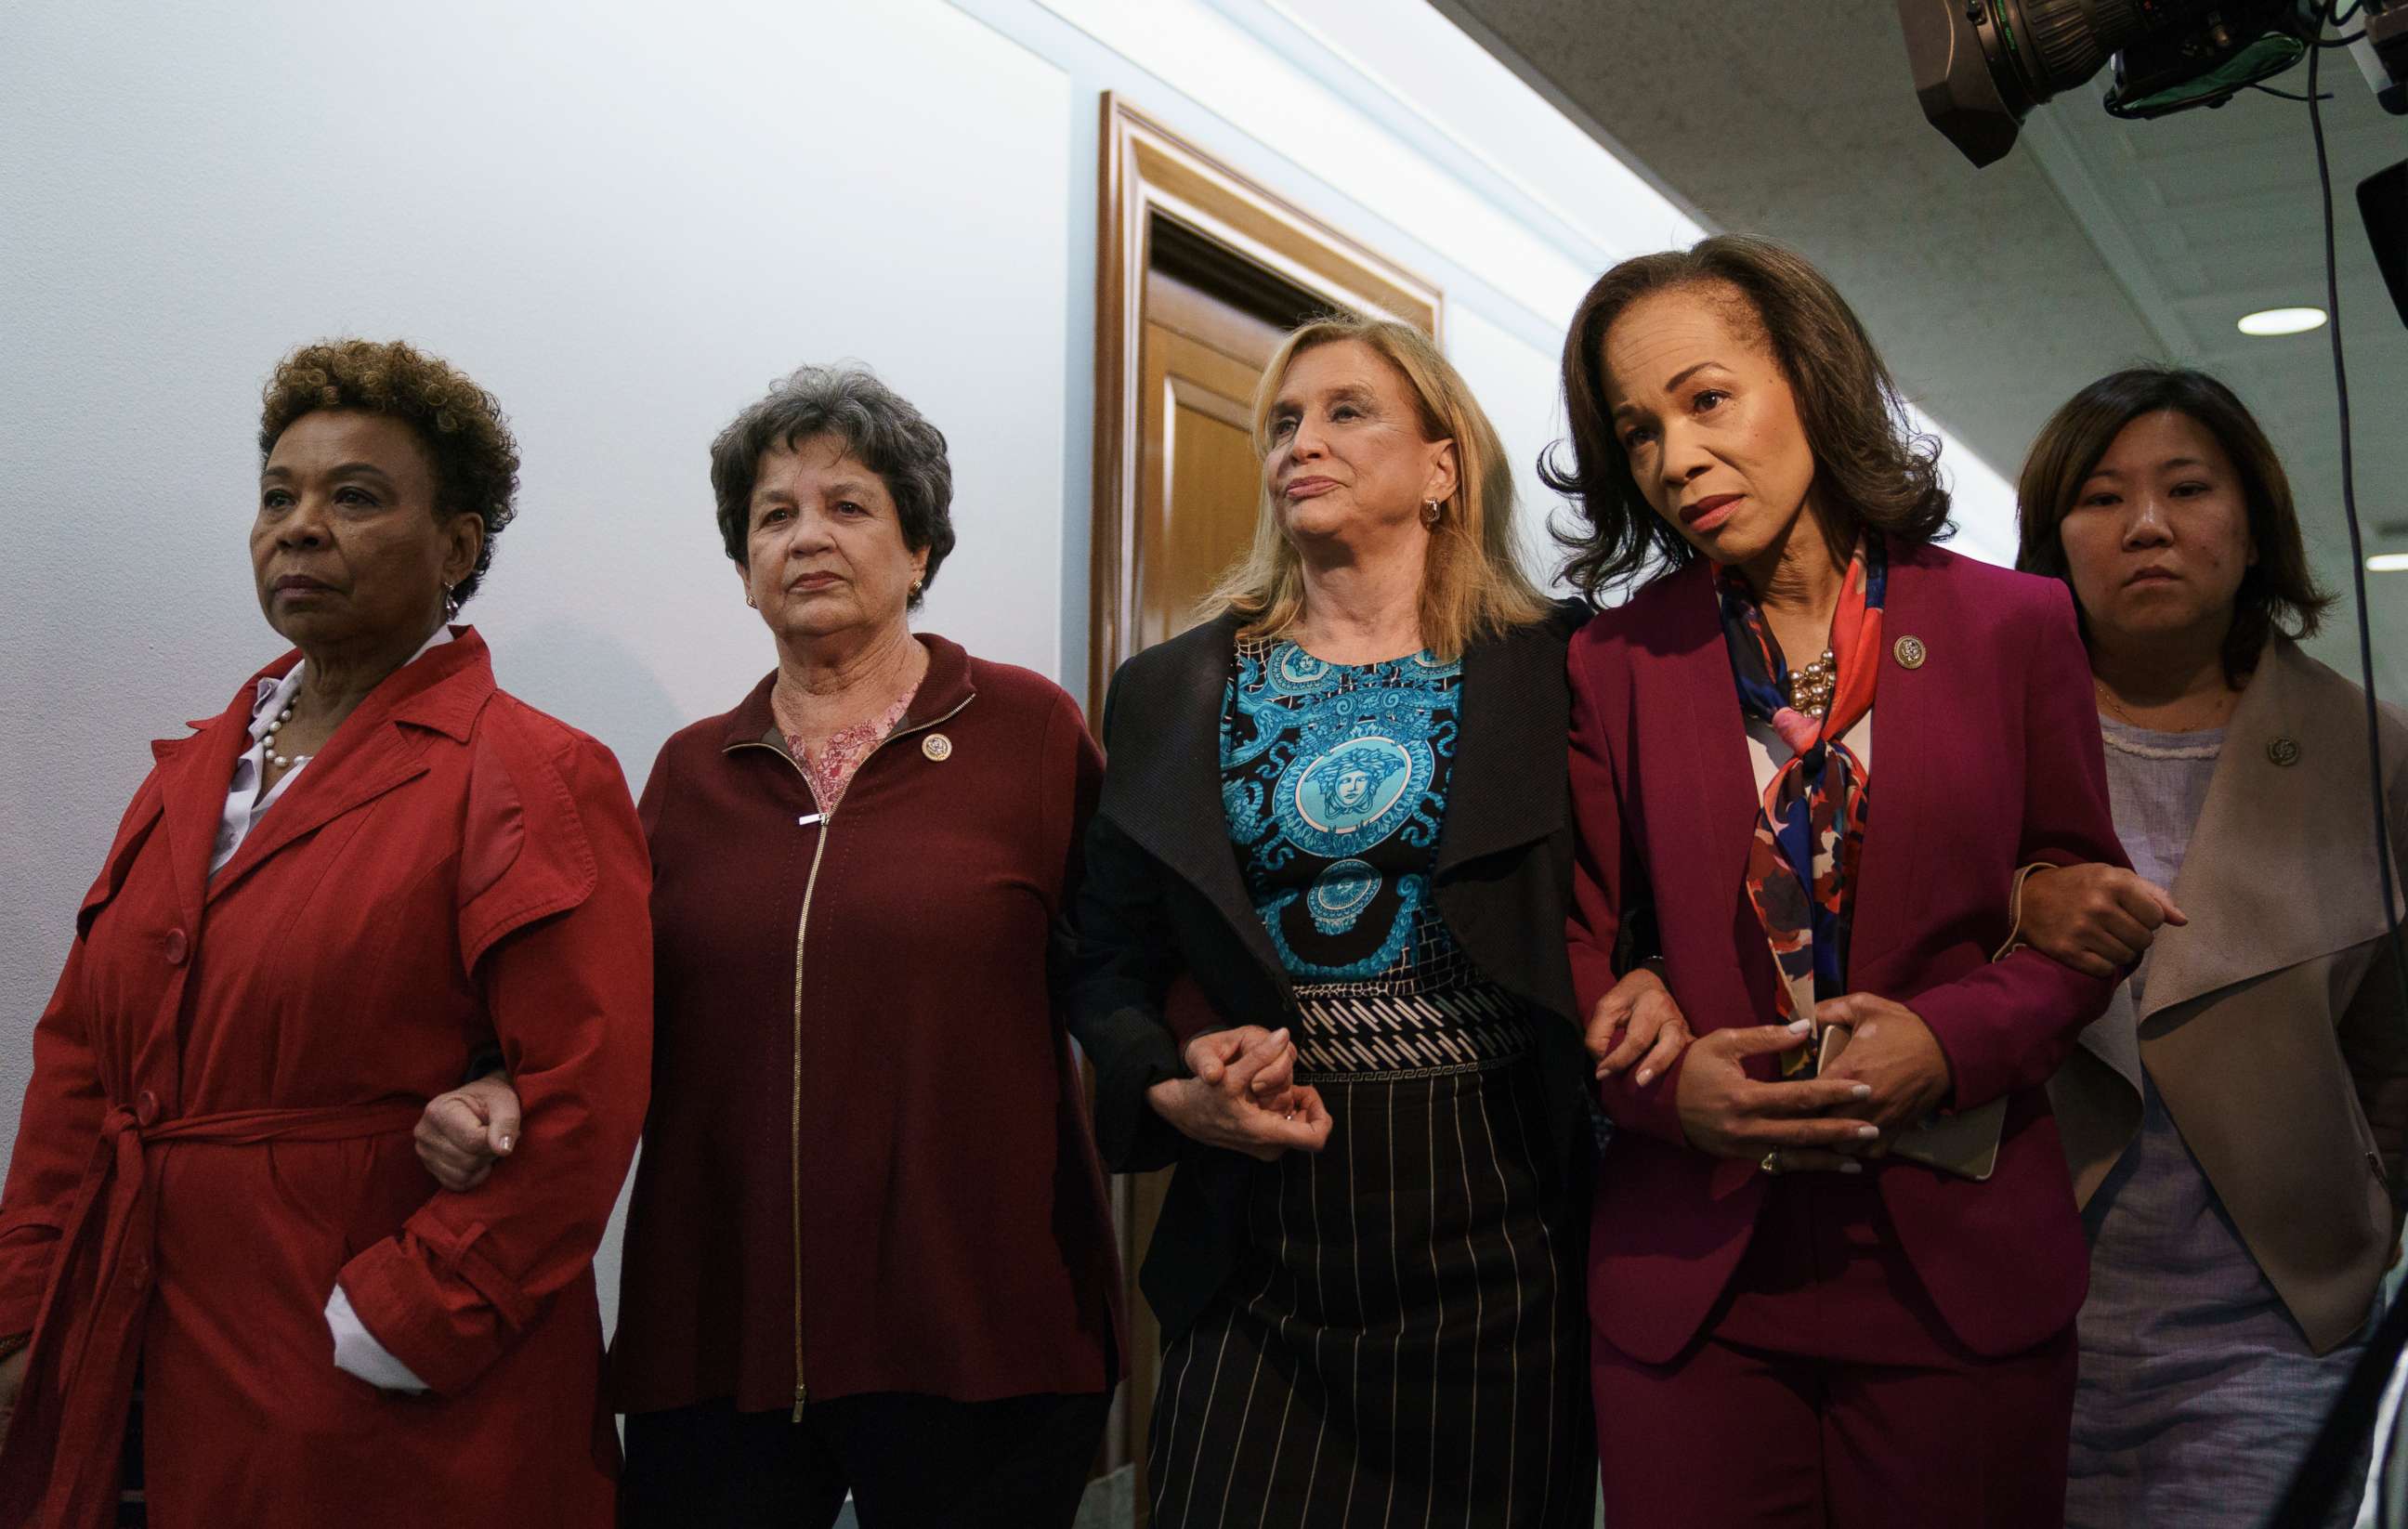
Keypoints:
pixel 1810 826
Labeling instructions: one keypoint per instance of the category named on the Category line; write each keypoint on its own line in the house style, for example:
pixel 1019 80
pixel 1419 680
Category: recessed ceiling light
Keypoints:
pixel 2283 321
pixel 2387 563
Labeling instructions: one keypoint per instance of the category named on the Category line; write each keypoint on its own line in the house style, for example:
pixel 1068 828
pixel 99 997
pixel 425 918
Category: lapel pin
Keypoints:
pixel 936 746
pixel 1911 653
pixel 2285 752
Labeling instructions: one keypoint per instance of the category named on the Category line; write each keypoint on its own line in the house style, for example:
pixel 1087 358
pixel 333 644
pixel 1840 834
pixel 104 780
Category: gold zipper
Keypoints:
pixel 802 924
pixel 795 1126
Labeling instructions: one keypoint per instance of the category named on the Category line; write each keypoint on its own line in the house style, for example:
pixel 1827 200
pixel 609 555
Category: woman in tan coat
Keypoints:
pixel 2235 1122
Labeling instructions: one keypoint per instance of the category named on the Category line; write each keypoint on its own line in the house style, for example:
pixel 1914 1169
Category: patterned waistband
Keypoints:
pixel 1346 1032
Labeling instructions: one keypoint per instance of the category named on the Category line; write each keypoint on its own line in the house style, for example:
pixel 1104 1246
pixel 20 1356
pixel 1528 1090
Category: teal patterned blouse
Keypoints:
pixel 1334 777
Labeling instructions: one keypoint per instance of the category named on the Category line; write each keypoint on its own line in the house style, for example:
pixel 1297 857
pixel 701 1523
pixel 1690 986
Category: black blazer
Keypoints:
pixel 1163 894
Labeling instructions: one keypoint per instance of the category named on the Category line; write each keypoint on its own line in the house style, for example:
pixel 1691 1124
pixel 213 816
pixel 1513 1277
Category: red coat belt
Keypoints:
pixel 80 1376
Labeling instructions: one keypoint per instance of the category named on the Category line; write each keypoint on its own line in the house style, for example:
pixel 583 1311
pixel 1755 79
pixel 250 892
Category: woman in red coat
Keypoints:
pixel 1835 1259
pixel 234 1295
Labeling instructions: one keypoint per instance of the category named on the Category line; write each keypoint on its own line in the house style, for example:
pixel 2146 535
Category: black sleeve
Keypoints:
pixel 1639 941
pixel 482 1059
pixel 1123 958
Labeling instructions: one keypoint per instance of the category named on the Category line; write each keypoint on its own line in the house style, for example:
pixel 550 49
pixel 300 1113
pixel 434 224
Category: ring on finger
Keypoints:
pixel 1770 1161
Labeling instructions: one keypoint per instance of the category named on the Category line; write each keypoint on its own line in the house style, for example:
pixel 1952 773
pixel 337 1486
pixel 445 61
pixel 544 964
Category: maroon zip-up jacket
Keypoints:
pixel 925 1148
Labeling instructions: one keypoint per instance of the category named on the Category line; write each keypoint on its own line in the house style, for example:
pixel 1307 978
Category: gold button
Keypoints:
pixel 1911 653
pixel 936 746
pixel 2283 751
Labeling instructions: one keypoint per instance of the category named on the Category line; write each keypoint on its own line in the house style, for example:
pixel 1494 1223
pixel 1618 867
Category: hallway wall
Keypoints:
pixel 625 222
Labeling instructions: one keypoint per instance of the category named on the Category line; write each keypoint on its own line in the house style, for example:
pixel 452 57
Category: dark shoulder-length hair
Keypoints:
pixel 1872 467
pixel 2277 593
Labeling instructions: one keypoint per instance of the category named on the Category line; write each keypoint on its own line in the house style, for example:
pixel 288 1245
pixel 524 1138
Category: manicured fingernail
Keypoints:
pixel 1869 1132
pixel 1862 1091
pixel 1852 1166
pixel 1646 1076
pixel 1798 1027
pixel 504 1144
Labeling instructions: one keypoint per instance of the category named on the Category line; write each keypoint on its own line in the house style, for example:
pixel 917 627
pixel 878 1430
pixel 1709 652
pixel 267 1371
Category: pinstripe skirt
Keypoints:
pixel 1405 1340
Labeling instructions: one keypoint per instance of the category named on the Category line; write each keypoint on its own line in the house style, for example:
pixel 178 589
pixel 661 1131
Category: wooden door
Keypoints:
pixel 1199 489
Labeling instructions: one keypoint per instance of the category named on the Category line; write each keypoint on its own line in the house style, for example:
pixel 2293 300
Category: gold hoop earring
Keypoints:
pixel 1430 512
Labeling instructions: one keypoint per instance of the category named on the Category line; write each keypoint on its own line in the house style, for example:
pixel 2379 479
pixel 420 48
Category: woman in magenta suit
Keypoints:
pixel 1835 1257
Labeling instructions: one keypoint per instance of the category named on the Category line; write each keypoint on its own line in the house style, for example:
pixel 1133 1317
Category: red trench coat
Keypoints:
pixel 219 1125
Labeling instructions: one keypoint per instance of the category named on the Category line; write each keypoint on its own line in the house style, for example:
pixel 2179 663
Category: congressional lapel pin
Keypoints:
pixel 936 746
pixel 1911 653
pixel 2283 751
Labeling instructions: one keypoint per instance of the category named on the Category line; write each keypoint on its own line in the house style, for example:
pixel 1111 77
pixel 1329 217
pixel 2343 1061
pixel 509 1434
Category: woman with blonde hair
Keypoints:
pixel 1322 970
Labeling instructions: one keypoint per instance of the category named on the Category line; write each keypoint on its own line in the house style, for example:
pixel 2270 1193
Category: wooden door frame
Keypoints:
pixel 1149 172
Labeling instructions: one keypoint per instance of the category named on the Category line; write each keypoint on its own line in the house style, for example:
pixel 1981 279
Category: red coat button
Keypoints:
pixel 146 1109
pixel 178 947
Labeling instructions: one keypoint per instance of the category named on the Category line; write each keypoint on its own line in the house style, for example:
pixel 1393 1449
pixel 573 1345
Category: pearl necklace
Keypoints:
pixel 268 742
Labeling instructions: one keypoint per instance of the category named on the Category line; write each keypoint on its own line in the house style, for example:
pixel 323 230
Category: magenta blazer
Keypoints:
pixel 1985 756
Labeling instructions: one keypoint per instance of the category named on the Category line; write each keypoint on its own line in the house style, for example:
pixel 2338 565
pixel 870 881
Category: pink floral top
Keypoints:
pixel 831 770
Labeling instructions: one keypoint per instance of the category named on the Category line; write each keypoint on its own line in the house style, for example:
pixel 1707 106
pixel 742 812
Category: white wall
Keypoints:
pixel 625 220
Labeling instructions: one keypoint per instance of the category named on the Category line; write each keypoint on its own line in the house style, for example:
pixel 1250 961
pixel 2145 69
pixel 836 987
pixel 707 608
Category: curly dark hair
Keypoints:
pixel 892 439
pixel 2278 592
pixel 1871 468
pixel 476 458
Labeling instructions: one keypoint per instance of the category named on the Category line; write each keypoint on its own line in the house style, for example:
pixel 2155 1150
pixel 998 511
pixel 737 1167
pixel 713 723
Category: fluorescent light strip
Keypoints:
pixel 2387 563
pixel 2283 321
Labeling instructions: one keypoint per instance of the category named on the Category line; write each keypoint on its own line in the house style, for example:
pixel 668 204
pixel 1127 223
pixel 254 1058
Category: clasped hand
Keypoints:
pixel 2098 920
pixel 1891 1077
pixel 1243 1096
pixel 463 1134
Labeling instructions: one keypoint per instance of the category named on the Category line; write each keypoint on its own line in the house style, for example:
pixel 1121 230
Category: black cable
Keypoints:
pixel 2288 96
pixel 2351 1423
pixel 2341 42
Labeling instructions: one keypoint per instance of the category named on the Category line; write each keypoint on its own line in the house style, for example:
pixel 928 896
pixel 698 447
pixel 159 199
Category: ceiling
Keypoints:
pixel 1996 294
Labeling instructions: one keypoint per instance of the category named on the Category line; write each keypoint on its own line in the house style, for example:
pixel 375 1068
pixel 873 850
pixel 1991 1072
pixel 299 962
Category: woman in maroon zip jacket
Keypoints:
pixel 869 1248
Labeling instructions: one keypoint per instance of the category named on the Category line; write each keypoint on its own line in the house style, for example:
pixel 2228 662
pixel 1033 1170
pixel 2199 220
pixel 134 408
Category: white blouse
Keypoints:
pixel 245 804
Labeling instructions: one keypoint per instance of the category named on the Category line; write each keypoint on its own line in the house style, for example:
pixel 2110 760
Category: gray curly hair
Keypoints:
pixel 892 439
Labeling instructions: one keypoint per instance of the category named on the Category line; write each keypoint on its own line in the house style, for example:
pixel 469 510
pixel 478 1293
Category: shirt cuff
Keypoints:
pixel 357 1351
